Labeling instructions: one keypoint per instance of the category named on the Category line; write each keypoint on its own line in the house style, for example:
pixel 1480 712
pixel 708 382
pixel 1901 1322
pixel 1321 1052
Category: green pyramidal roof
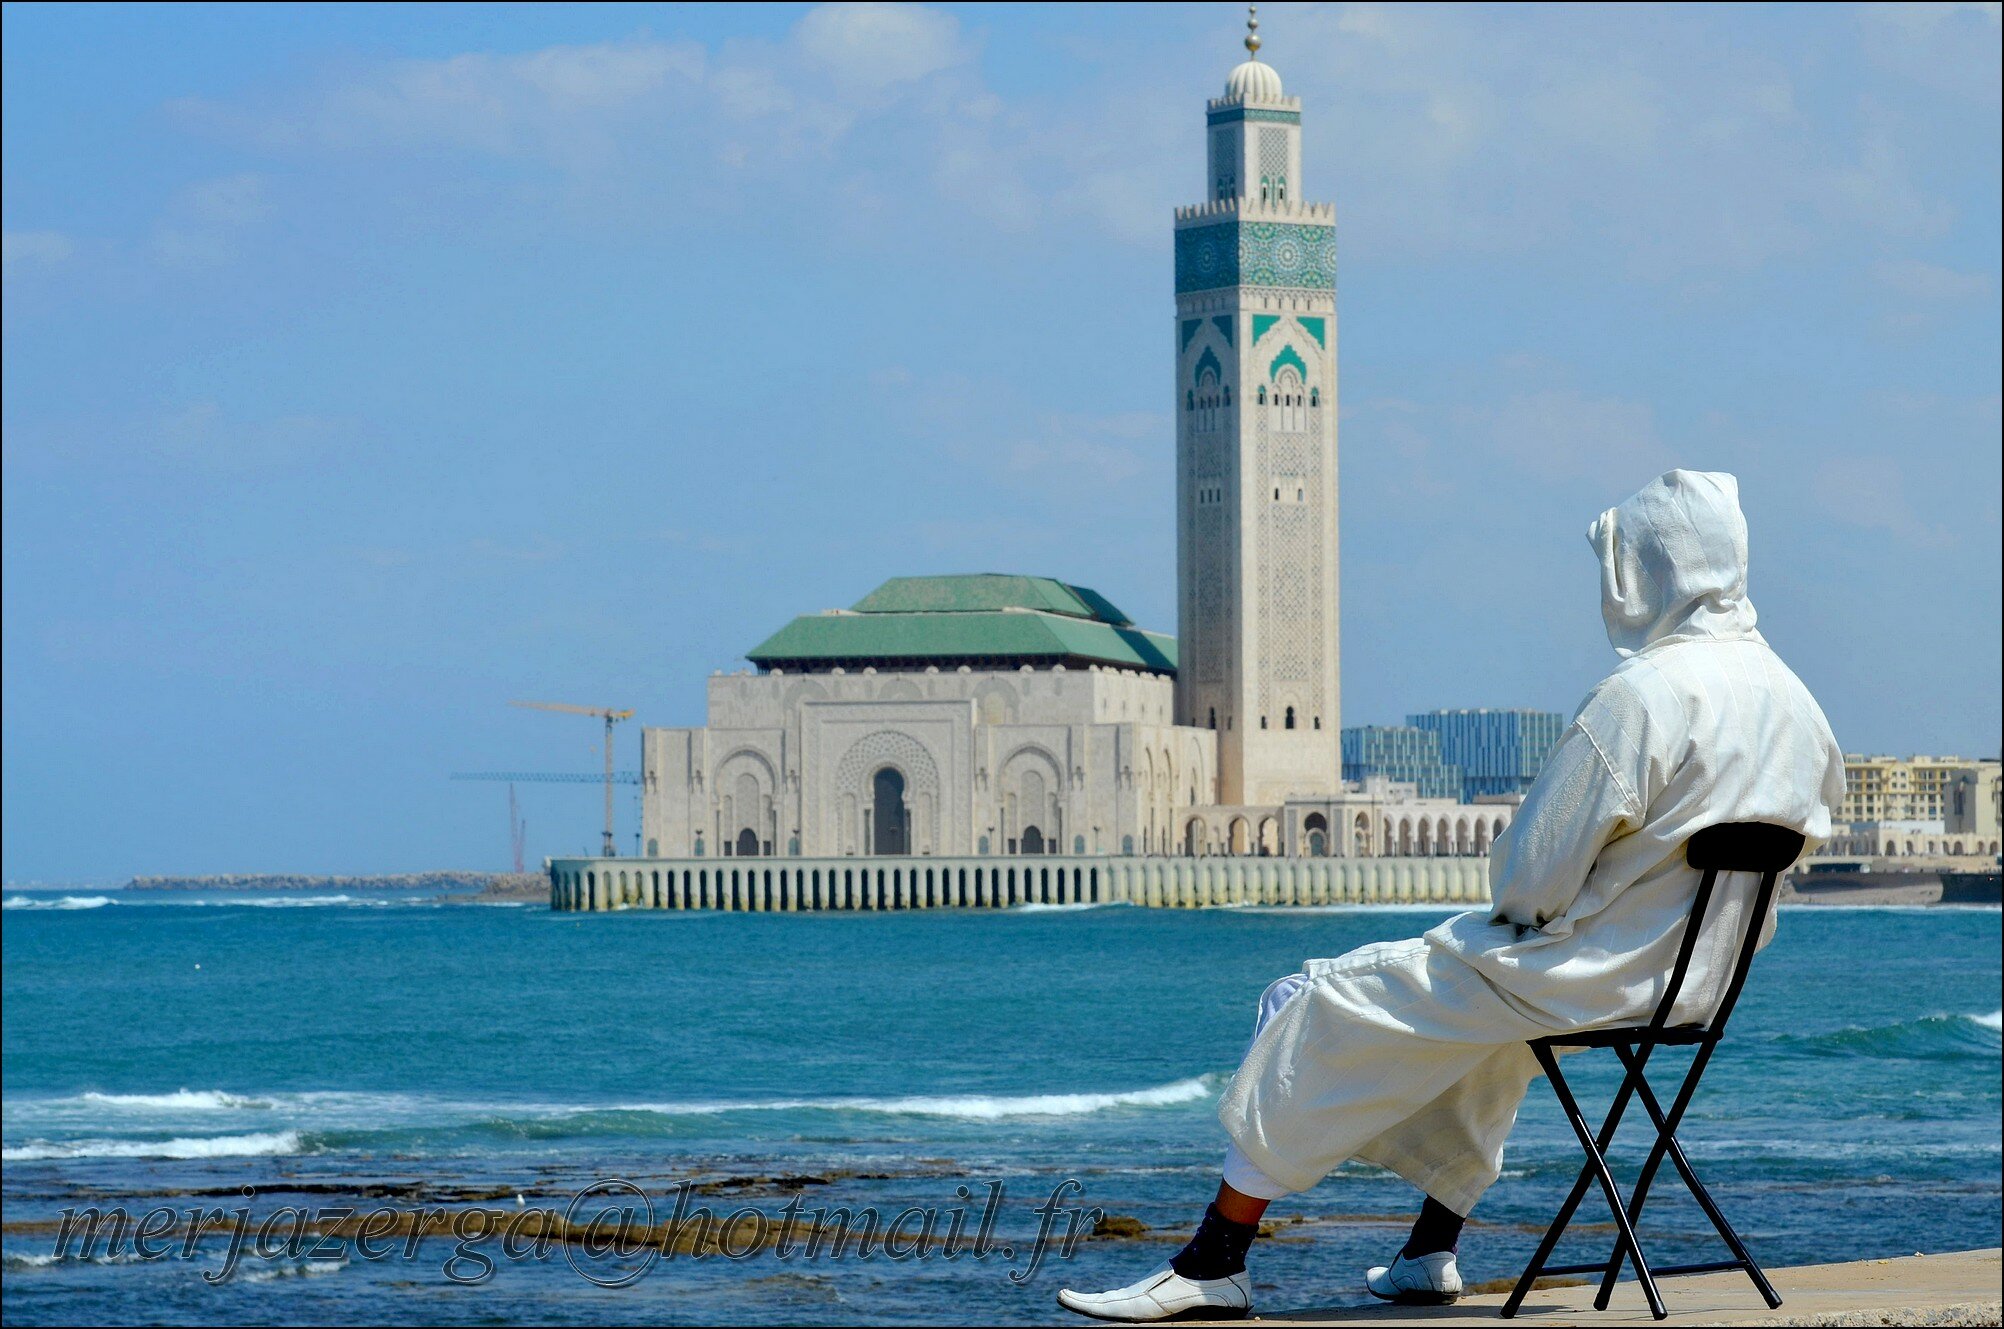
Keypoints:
pixel 984 621
pixel 988 591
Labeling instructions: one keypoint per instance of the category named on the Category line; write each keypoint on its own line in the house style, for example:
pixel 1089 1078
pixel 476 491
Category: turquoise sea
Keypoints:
pixel 173 1049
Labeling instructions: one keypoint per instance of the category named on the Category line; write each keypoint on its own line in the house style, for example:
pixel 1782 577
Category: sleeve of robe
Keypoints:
pixel 1585 795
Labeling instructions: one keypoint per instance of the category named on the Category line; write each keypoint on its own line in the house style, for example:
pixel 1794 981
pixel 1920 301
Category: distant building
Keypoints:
pixel 963 717
pixel 1497 751
pixel 1957 791
pixel 992 715
pixel 1920 805
pixel 1403 753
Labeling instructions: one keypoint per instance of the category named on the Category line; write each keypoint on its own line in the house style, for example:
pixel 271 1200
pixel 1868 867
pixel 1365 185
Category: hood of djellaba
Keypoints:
pixel 1673 563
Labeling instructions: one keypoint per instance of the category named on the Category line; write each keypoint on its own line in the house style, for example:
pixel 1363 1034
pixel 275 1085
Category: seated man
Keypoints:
pixel 1411 1054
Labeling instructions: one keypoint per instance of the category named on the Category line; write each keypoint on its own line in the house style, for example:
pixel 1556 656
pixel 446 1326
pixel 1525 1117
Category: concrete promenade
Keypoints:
pixel 1961 1288
pixel 799 884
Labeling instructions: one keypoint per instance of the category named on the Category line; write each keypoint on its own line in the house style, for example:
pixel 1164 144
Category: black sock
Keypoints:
pixel 1218 1250
pixel 1438 1229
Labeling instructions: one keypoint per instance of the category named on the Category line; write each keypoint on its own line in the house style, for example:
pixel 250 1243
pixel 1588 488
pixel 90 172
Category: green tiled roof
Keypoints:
pixel 985 591
pixel 987 620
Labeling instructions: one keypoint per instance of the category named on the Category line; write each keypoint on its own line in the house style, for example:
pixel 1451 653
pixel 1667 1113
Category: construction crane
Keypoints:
pixel 611 718
pixel 518 828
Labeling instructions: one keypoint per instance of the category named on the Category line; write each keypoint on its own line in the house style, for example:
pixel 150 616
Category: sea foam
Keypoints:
pixel 977 1107
pixel 181 1100
pixel 64 902
pixel 218 1146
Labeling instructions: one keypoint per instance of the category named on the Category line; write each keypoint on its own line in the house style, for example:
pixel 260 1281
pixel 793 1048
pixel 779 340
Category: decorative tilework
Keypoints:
pixel 1283 254
pixel 1288 356
pixel 1207 361
pixel 1190 326
pixel 1207 257
pixel 1223 323
pixel 1262 324
pixel 1234 114
pixel 1313 326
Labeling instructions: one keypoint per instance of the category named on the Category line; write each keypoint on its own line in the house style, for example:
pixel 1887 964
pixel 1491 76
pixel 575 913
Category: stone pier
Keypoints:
pixel 791 885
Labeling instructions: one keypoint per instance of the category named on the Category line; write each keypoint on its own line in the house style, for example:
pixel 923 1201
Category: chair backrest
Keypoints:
pixel 1740 846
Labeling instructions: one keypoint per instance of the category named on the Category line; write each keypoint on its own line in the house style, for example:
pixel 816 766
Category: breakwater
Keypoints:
pixel 803 884
pixel 508 882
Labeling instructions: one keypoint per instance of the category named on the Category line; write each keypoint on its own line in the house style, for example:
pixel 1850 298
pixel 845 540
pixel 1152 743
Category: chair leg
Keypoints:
pixel 1666 1144
pixel 1599 1164
pixel 1595 1166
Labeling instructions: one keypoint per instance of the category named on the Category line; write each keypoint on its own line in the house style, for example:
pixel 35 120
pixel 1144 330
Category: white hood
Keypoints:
pixel 1673 563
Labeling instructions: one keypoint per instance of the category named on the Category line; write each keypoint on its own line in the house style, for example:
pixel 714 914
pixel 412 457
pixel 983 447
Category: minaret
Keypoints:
pixel 1256 499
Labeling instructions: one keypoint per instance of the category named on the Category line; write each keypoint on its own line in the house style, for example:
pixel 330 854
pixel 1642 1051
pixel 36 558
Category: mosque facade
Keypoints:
pixel 972 717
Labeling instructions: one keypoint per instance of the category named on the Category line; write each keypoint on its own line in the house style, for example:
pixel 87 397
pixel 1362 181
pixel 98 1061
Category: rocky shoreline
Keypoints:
pixel 487 885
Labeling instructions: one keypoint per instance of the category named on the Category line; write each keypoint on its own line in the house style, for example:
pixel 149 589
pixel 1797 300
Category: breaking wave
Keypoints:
pixel 1931 1037
pixel 181 1100
pixel 973 1107
pixel 63 902
pixel 218 1146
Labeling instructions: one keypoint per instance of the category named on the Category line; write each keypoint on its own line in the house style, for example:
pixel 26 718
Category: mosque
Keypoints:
pixel 1004 715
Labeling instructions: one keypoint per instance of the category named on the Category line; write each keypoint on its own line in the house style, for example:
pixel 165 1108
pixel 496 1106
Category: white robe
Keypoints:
pixel 1412 1054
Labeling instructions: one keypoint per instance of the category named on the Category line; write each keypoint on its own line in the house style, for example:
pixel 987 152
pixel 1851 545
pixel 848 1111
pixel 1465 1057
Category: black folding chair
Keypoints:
pixel 1734 847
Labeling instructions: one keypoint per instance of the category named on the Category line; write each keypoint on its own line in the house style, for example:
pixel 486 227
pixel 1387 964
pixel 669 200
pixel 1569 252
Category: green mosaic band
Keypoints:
pixel 1283 254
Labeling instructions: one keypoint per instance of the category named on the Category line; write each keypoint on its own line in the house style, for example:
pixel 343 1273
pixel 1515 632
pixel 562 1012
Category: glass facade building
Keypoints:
pixel 1496 751
pixel 1406 753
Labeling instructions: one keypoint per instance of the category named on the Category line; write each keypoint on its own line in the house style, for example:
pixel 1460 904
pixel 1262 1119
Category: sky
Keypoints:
pixel 366 368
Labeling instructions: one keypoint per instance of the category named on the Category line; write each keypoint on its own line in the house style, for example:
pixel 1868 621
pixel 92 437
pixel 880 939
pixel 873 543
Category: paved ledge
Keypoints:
pixel 1962 1288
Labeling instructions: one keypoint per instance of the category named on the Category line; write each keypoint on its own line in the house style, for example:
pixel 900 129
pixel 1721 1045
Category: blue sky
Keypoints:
pixel 366 367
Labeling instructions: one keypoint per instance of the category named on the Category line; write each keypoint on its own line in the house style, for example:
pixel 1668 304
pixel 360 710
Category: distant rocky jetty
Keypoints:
pixel 508 884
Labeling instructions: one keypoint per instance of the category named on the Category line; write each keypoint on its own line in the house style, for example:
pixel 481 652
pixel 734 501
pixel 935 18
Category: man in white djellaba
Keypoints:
pixel 1411 1054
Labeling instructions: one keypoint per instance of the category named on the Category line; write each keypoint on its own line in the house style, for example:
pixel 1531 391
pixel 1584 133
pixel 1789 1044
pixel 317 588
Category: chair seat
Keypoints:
pixel 1628 1036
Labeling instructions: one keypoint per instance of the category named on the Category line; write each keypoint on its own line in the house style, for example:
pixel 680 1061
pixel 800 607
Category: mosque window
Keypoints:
pixel 1280 190
pixel 1318 722
pixel 1228 394
pixel 1189 401
pixel 1315 397
pixel 1262 394
pixel 1262 722
pixel 1289 722
pixel 1214 719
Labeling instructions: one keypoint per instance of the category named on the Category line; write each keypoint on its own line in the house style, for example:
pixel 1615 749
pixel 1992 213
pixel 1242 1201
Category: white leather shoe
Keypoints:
pixel 1431 1280
pixel 1166 1295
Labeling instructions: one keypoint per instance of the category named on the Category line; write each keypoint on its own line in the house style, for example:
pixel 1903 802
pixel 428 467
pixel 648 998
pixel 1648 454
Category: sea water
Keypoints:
pixel 175 1048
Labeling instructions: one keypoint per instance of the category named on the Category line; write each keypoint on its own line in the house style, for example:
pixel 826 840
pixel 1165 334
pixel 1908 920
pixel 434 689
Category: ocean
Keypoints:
pixel 170 1049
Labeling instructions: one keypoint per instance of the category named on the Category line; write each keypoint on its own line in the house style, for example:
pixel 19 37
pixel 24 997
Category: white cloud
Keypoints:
pixel 1950 48
pixel 1680 152
pixel 878 46
pixel 202 222
pixel 25 249
pixel 1564 434
pixel 1871 493
pixel 1913 279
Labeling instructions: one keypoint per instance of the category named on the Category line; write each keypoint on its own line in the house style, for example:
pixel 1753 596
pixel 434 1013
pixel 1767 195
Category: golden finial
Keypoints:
pixel 1252 30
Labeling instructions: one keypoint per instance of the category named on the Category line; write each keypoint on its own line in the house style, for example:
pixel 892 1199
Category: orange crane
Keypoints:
pixel 611 718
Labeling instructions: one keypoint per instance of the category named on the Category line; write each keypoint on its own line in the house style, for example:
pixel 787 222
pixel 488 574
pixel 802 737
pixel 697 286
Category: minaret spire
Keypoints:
pixel 1252 30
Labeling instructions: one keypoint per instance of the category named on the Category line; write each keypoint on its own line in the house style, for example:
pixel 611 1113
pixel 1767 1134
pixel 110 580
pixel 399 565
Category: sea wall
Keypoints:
pixel 796 884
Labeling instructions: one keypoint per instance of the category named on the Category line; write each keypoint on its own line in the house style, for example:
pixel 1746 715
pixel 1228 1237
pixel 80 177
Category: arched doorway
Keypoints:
pixel 747 843
pixel 1032 840
pixel 890 822
pixel 1317 827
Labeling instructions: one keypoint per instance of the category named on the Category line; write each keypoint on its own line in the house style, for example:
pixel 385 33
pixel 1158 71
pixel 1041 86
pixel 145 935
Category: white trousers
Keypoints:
pixel 1240 1174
